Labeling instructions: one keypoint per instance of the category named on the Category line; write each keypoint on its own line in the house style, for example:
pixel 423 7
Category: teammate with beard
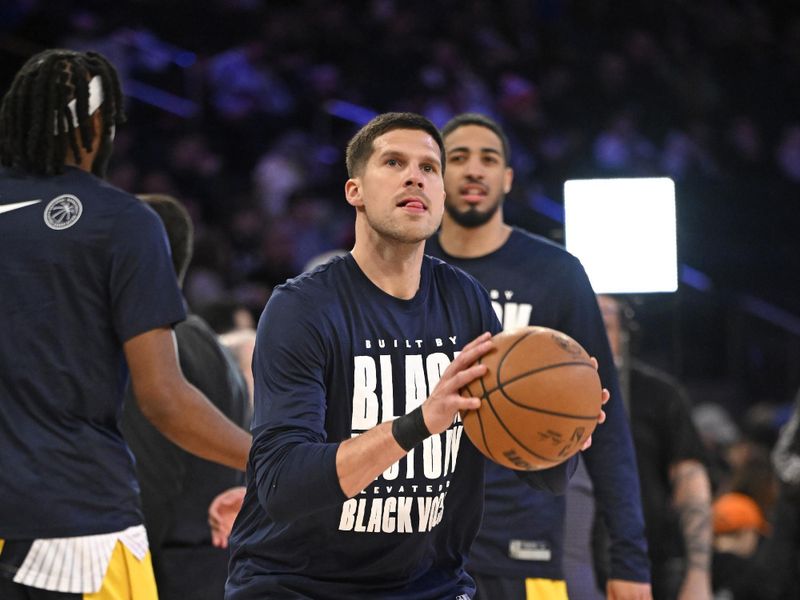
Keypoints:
pixel 518 552
pixel 87 286
pixel 360 482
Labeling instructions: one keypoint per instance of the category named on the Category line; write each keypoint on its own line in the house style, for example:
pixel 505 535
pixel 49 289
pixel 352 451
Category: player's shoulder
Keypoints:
pixel 538 245
pixel 454 282
pixel 77 197
pixel 444 273
pixel 70 182
pixel 315 287
pixel 92 188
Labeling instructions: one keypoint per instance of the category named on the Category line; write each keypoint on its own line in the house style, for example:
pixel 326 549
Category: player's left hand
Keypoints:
pixel 619 589
pixel 696 585
pixel 222 513
pixel 601 418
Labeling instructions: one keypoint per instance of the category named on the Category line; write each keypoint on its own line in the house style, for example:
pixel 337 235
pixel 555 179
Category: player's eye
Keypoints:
pixel 428 168
pixel 457 158
pixel 392 162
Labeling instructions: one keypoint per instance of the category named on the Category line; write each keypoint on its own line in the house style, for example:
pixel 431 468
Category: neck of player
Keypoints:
pixel 86 158
pixel 394 267
pixel 472 242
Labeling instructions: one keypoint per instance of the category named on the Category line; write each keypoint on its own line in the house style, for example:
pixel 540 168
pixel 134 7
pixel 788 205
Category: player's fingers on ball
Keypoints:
pixel 478 340
pixel 468 403
pixel 605 396
pixel 587 444
pixel 473 351
pixel 594 362
pixel 601 417
pixel 467 376
pixel 470 353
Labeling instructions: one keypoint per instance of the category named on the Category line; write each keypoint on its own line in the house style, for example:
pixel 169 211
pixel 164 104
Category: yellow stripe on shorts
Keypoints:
pixel 2 543
pixel 545 589
pixel 127 578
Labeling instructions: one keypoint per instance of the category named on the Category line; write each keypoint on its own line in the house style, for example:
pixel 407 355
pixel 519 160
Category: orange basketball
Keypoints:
pixel 541 398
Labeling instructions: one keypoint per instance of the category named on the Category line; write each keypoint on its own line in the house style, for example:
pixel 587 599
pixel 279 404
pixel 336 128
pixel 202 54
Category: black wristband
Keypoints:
pixel 409 430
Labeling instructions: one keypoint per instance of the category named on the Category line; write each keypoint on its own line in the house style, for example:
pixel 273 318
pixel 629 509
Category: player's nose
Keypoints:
pixel 415 177
pixel 474 168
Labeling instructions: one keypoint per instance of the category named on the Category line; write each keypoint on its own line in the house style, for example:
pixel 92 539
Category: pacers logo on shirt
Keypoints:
pixel 63 212
pixel 511 314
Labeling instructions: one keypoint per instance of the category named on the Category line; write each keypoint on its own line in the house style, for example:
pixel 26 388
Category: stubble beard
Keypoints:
pixel 472 217
pixel 398 233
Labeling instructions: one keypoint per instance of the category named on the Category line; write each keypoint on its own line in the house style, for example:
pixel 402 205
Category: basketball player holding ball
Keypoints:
pixel 360 482
pixel 518 552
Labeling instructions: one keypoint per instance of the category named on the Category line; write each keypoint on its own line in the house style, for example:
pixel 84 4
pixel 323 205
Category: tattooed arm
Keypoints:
pixel 691 497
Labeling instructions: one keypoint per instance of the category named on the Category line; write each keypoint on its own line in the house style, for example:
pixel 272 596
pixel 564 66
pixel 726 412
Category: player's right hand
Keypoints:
pixel 440 408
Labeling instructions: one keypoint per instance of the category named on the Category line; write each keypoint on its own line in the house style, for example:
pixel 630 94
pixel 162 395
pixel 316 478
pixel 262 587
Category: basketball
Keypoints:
pixel 540 399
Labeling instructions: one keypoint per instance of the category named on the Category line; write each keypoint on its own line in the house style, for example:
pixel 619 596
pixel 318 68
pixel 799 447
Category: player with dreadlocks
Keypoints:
pixel 88 295
pixel 65 84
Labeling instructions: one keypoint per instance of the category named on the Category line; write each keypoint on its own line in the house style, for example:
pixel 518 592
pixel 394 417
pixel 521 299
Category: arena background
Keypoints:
pixel 242 109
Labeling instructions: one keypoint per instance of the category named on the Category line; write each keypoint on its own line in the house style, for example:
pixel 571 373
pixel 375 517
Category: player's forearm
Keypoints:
pixel 361 459
pixel 178 409
pixel 298 473
pixel 691 499
pixel 197 426
pixel 295 473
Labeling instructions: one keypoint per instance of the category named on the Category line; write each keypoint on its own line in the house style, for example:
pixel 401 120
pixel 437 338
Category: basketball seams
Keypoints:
pixel 502 360
pixel 496 428
pixel 549 412
pixel 514 437
pixel 479 419
pixel 486 445
pixel 501 389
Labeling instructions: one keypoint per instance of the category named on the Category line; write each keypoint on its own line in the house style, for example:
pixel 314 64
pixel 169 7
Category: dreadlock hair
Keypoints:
pixel 36 123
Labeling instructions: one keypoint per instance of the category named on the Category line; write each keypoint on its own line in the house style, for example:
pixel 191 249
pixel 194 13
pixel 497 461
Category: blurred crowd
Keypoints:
pixel 756 508
pixel 241 109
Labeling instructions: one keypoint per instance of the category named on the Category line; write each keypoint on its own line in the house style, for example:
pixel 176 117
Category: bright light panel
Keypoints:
pixel 623 232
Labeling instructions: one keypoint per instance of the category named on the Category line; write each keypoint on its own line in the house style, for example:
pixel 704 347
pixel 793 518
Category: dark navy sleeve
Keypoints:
pixel 610 460
pixel 294 467
pixel 143 285
pixel 554 479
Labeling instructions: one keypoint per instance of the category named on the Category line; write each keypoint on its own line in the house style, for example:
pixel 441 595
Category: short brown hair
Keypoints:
pixel 360 148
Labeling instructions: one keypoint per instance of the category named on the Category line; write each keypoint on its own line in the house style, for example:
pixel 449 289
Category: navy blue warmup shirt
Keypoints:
pixel 533 281
pixel 336 356
pixel 84 267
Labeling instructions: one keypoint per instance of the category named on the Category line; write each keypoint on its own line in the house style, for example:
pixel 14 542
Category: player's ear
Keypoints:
pixel 508 179
pixel 352 192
